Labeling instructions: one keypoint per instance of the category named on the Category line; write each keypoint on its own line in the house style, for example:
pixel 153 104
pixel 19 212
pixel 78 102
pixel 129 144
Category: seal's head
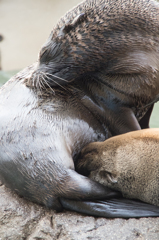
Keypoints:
pixel 111 41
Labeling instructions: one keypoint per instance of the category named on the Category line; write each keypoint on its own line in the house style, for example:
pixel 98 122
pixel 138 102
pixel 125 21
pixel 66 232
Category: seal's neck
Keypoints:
pixel 114 109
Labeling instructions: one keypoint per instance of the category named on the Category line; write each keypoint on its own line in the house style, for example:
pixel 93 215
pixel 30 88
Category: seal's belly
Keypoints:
pixel 29 132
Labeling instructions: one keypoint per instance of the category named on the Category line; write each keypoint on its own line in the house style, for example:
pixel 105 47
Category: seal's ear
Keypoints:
pixel 76 22
pixel 144 122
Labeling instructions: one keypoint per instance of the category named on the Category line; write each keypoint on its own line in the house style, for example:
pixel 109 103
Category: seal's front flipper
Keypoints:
pixel 79 187
pixel 144 122
pixel 118 117
pixel 114 208
pixel 123 120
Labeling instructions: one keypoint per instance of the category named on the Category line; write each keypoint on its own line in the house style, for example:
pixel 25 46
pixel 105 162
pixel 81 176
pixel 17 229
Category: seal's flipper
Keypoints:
pixel 82 188
pixel 123 120
pixel 144 122
pixel 114 208
pixel 118 117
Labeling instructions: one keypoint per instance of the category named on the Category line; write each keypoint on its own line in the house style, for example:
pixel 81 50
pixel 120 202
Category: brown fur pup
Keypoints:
pixel 128 163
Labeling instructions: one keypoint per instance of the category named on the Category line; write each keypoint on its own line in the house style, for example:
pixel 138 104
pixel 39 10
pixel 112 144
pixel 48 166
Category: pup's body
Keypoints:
pixel 128 163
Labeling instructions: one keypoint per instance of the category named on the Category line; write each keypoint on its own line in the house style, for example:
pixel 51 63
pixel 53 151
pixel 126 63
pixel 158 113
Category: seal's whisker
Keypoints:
pixel 59 85
pixel 44 80
pixel 33 80
pixel 57 77
pixel 56 83
pixel 38 84
pixel 48 84
pixel 42 83
pixel 46 73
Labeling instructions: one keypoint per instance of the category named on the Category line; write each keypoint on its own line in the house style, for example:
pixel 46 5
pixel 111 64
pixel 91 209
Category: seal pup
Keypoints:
pixel 128 163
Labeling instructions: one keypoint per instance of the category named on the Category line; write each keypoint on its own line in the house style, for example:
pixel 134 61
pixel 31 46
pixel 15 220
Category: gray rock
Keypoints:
pixel 22 220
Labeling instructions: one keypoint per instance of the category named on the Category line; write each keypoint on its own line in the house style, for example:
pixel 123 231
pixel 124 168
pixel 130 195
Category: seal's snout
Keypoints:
pixel 44 78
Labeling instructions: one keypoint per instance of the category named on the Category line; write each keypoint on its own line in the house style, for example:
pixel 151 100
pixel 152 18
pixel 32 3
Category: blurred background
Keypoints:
pixel 24 27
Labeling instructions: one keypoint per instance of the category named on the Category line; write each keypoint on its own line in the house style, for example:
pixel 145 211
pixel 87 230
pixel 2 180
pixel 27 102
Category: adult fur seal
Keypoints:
pixel 128 163
pixel 111 50
pixel 41 133
pixel 44 126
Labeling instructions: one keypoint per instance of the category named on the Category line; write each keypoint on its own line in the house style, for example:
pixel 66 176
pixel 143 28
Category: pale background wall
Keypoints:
pixel 25 25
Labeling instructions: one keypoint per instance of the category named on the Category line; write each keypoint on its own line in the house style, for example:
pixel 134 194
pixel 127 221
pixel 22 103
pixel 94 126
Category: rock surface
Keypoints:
pixel 22 220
